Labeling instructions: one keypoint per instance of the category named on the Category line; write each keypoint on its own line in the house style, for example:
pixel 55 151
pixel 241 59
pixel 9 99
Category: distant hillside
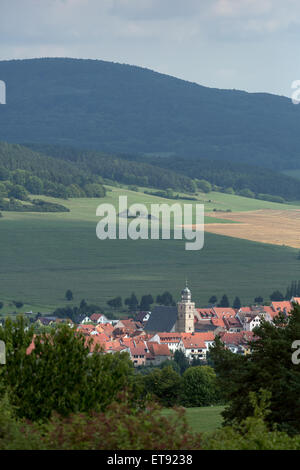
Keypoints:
pixel 23 171
pixel 68 172
pixel 233 175
pixel 120 108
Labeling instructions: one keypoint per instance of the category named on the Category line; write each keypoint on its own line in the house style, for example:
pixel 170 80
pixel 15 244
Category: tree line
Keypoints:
pixel 24 171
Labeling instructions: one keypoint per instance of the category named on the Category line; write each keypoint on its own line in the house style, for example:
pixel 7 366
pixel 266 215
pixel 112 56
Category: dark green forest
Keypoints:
pixel 229 176
pixel 63 172
pixel 117 168
pixel 114 107
pixel 23 172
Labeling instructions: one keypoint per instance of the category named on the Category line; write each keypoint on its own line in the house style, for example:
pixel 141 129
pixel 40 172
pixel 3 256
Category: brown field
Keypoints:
pixel 266 226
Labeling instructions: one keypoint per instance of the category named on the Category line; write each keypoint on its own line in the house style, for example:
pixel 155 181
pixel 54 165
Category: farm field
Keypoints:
pixel 265 226
pixel 202 419
pixel 43 255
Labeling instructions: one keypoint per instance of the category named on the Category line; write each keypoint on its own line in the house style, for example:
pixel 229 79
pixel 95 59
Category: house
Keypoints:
pixel 128 324
pixel 142 317
pixel 46 321
pixel 139 353
pixel 159 353
pixel 196 345
pixel 171 340
pixel 82 319
pixel 222 312
pixel 237 343
pixel 98 318
pixel 106 328
pixel 232 324
pixel 285 307
pixel 87 330
pixel 250 321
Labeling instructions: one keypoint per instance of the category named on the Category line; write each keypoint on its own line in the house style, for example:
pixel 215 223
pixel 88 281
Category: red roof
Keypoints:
pixel 169 337
pixel 236 338
pixel 218 322
pixel 191 340
pixel 224 312
pixel 284 306
pixel 95 317
pixel 158 349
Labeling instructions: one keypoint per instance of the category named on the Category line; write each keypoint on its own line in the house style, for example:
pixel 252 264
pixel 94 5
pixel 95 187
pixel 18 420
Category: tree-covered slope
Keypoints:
pixel 121 108
pixel 23 170
pixel 177 172
pixel 226 174
pixel 72 172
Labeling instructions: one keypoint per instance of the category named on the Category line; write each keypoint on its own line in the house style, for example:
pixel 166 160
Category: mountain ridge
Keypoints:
pixel 114 107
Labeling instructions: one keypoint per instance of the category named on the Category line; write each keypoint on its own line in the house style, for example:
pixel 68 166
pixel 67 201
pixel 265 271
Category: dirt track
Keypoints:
pixel 265 226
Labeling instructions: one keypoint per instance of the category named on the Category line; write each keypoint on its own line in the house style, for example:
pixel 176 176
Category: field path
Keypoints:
pixel 266 226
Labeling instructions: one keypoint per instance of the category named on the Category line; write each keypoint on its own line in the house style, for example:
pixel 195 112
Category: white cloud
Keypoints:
pixel 209 41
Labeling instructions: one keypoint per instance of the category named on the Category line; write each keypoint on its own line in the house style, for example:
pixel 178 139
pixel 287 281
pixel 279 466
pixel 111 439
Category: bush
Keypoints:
pixel 199 387
pixel 164 385
pixel 60 374
pixel 252 433
pixel 121 427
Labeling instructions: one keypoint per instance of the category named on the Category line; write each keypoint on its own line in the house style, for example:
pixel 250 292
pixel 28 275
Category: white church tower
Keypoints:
pixel 185 313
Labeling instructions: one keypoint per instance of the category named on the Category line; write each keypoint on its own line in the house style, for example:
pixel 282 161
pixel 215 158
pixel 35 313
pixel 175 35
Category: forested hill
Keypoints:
pixel 120 108
pixel 64 172
pixel 23 171
pixel 233 175
pixel 177 173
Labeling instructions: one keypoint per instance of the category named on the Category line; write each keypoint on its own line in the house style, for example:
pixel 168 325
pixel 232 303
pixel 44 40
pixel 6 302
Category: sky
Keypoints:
pixel 251 45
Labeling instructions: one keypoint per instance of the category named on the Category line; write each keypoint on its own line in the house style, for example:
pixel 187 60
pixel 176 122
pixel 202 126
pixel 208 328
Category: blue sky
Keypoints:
pixel 243 44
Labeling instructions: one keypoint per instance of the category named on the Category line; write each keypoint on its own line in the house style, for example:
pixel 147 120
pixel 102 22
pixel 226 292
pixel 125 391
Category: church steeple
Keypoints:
pixel 185 312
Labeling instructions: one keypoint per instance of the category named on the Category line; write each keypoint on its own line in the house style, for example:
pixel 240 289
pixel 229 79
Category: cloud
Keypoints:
pixel 197 40
pixel 151 10
pixel 238 8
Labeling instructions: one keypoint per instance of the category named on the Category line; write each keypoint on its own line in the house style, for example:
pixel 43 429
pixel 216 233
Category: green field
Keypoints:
pixel 204 419
pixel 43 255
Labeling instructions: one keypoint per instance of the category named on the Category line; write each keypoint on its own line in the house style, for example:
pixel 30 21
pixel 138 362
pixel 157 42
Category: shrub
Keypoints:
pixel 252 433
pixel 120 427
pixel 199 387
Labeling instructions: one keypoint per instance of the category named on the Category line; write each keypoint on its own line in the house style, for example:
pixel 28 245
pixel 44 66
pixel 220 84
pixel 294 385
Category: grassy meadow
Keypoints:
pixel 43 255
pixel 203 419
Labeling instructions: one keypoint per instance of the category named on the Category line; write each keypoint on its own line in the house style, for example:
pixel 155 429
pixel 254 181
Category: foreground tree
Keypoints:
pixel 269 366
pixel 165 385
pixel 58 373
pixel 199 387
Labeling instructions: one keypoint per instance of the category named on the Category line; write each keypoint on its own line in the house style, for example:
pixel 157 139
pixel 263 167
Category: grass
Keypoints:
pixel 43 255
pixel 204 419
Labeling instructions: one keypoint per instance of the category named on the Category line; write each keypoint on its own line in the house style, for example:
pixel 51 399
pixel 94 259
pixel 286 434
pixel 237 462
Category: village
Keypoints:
pixel 153 337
